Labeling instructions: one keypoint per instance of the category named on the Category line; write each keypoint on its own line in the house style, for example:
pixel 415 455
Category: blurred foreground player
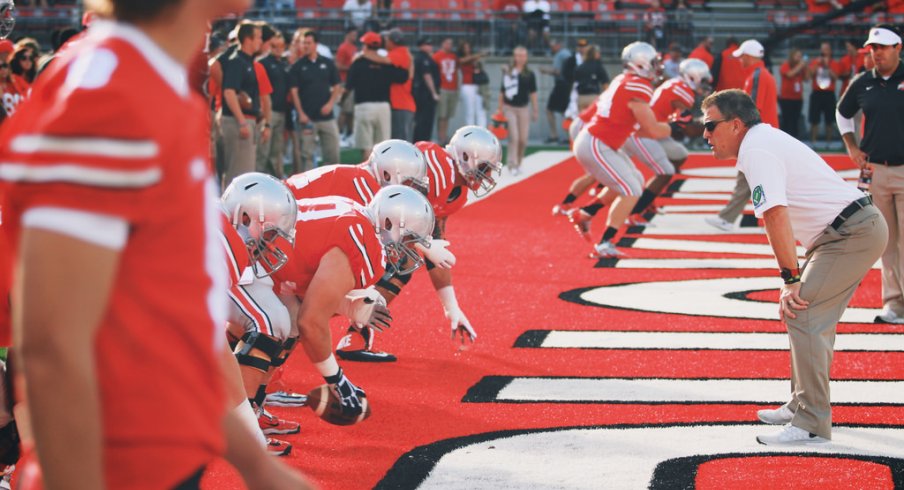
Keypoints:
pixel 118 299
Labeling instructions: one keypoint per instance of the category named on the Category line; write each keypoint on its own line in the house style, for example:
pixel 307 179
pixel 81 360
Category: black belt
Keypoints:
pixel 850 210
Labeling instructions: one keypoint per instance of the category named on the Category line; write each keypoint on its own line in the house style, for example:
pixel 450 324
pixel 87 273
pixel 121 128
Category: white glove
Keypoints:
pixel 365 307
pixel 458 322
pixel 438 253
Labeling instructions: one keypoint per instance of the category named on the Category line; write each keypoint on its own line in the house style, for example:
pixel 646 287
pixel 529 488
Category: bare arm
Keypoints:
pixel 332 281
pixel 793 72
pixel 428 79
pixel 647 120
pixel 296 101
pixel 440 277
pixel 62 296
pixel 258 469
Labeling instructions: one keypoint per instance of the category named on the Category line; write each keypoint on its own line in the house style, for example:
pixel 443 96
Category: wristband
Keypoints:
pixel 790 276
pixel 328 368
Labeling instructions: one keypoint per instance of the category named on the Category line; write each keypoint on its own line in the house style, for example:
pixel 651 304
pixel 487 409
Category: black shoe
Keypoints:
pixel 365 356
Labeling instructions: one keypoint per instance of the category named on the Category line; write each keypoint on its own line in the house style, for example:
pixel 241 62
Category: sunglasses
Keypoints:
pixel 711 125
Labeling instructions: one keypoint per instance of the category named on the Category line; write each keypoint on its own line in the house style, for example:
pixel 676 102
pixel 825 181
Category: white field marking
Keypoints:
pixel 696 208
pixel 531 165
pixel 692 224
pixel 730 263
pixel 730 172
pixel 673 390
pixel 710 341
pixel 703 297
pixel 625 458
pixel 714 196
pixel 707 246
pixel 708 185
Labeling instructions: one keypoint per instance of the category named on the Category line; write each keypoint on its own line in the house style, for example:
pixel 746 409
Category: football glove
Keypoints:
pixel 438 253
pixel 458 322
pixel 349 395
pixel 366 307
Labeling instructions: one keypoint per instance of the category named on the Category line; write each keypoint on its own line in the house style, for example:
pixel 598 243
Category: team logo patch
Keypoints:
pixel 758 196
pixel 901 86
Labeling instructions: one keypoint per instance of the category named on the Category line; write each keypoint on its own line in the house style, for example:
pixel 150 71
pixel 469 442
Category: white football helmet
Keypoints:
pixel 641 59
pixel 263 211
pixel 7 18
pixel 399 162
pixel 695 73
pixel 478 154
pixel 403 218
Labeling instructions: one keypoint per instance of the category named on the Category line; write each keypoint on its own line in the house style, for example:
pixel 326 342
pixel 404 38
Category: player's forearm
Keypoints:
pixel 243 451
pixel 781 236
pixel 440 277
pixel 232 101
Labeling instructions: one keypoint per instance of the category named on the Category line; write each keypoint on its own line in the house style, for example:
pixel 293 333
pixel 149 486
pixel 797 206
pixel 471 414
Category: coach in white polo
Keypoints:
pixel 800 198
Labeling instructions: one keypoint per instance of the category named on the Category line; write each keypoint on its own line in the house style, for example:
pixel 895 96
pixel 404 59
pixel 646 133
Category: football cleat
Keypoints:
pixel 271 424
pixel 275 447
pixel 605 250
pixel 561 209
pixel 637 219
pixel 357 346
pixel 581 221
pixel 285 399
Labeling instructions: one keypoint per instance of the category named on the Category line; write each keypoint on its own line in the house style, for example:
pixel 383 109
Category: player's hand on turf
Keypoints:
pixel 380 318
pixel 790 300
pixel 349 395
pixel 460 325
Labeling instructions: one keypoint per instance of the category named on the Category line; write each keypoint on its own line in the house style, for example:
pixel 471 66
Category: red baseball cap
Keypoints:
pixel 371 39
pixel 7 46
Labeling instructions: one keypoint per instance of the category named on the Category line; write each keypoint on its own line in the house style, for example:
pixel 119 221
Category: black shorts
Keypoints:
pixel 559 97
pixel 822 104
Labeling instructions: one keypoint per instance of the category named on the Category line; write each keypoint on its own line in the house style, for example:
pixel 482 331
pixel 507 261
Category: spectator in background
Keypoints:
pixel 590 78
pixel 791 100
pixel 671 62
pixel 703 51
pixel 425 88
pixel 471 99
pixel 270 153
pixel 568 69
pixel 357 12
pixel 727 70
pixel 241 103
pixel 508 17
pixel 315 88
pixel 682 26
pixel 536 16
pixel 400 98
pixel 6 49
pixel 823 71
pixel 344 57
pixel 448 95
pixel 558 99
pixel 371 81
pixel 654 24
pixel 519 89
pixel 13 90
pixel 849 65
pixel 23 65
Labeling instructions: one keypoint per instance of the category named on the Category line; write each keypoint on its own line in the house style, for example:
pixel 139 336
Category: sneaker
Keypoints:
pixel 790 435
pixel 272 424
pixel 285 399
pixel 357 346
pixel 888 315
pixel 605 250
pixel 780 416
pixel 561 209
pixel 515 171
pixel 637 219
pixel 278 448
pixel 719 223
pixel 581 221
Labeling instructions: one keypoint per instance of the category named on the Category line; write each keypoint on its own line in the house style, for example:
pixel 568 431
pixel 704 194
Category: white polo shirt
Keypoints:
pixel 782 171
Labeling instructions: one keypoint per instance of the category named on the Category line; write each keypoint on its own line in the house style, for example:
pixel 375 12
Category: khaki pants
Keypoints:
pixel 738 200
pixel 270 153
pixel 238 152
pixel 835 265
pixel 373 122
pixel 519 130
pixel 328 134
pixel 585 100
pixel 888 195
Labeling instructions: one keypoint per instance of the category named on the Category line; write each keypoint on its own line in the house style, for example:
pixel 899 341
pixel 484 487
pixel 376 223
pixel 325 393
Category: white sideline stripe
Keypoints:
pixel 79 174
pixel 692 224
pixel 708 185
pixel 715 196
pixel 671 390
pixel 695 208
pixel 707 246
pixel 709 340
pixel 101 147
pixel 728 263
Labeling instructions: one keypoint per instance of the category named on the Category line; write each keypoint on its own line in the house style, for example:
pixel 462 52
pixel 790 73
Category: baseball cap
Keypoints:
pixel 7 46
pixel 371 39
pixel 750 47
pixel 395 35
pixel 882 35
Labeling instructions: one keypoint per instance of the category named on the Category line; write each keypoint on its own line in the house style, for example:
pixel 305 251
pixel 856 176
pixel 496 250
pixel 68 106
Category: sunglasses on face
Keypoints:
pixel 711 125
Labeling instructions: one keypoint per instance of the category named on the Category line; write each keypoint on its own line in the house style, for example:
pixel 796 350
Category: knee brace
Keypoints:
pixel 258 351
pixel 287 347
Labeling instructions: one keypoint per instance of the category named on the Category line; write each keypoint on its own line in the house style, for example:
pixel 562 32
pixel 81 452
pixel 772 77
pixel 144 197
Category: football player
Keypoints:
pixel 623 105
pixel 346 250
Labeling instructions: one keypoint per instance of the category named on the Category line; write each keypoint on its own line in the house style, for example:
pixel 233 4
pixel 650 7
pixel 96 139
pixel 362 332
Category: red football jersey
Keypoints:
pixel 674 90
pixel 447 191
pixel 324 224
pixel 353 182
pixel 237 259
pixel 89 142
pixel 587 114
pixel 614 121
pixel 6 276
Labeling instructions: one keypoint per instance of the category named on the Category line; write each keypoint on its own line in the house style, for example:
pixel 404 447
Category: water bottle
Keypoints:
pixel 866 178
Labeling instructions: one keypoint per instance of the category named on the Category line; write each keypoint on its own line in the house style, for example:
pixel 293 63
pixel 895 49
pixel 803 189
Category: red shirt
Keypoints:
pixel 324 224
pixel 792 87
pixel 849 66
pixel 6 276
pixel 467 73
pixel 353 182
pixel 766 93
pixel 263 80
pixel 400 97
pixel 139 156
pixel 822 80
pixel 614 121
pixel 701 53
pixel 447 192
pixel 667 95
pixel 345 54
pixel 13 93
pixel 448 69
pixel 731 73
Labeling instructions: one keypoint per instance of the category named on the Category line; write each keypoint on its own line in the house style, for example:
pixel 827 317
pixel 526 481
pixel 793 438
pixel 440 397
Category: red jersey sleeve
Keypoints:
pixel 356 237
pixel 441 173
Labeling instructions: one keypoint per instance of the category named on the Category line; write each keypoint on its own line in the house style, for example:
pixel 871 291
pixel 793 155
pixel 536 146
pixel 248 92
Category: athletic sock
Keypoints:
pixel 609 234
pixel 570 198
pixel 592 209
pixel 645 200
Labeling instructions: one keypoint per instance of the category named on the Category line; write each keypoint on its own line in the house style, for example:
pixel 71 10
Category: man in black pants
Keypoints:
pixel 424 87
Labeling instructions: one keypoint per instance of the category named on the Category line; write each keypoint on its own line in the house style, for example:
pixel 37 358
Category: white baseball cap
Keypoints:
pixel 883 36
pixel 751 47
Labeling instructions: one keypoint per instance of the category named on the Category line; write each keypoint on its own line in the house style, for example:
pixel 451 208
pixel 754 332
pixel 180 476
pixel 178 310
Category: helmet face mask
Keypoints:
pixel 7 18
pixel 478 155
pixel 641 59
pixel 696 74
pixel 403 218
pixel 398 162
pixel 263 212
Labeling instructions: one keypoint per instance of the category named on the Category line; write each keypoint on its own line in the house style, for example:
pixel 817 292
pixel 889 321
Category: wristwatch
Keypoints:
pixel 790 276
